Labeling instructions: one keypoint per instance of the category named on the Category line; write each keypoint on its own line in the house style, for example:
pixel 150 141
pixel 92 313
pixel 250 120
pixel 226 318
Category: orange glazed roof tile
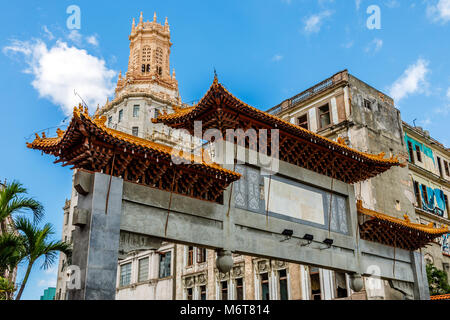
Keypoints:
pixel 404 223
pixel 182 115
pixel 396 232
pixel 441 297
pixel 81 114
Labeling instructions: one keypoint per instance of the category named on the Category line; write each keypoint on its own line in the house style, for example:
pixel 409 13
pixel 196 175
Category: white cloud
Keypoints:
pixel 374 46
pixel 75 37
pixel 92 40
pixel 313 23
pixel 348 45
pixel 47 283
pixel 440 11
pixel 445 109
pixel 61 69
pixel 277 57
pixel 48 34
pixel 413 80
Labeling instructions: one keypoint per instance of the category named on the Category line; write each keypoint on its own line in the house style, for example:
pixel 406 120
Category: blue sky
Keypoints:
pixel 263 51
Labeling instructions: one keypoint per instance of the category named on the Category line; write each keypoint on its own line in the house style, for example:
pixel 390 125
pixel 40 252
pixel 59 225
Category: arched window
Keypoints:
pixel 159 60
pixel 143 68
pixel 148 67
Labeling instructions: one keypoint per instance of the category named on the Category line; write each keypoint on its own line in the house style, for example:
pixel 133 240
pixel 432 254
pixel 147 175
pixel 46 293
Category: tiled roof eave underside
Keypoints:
pixel 120 139
pixel 88 145
pixel 391 231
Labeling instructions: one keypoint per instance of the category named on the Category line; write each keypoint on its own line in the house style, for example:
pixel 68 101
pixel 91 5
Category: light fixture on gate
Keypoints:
pixel 309 238
pixel 328 242
pixel 288 234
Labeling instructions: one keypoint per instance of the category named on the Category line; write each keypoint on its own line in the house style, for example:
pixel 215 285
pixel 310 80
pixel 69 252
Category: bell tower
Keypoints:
pixel 149 60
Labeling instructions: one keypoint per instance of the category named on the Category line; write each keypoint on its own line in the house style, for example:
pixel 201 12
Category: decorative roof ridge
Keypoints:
pixel 217 85
pixel 406 222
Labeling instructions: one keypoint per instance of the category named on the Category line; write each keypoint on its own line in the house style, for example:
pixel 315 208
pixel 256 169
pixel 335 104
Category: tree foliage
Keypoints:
pixel 437 281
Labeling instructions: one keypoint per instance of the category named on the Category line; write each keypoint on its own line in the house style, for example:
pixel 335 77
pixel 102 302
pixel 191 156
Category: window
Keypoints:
pixel 324 116
pixel 201 255
pixel 440 167
pixel 190 256
pixel 143 68
pixel 135 131
pixel 282 281
pixel 156 113
pixel 125 274
pixel 417 193
pixel 447 172
pixel 165 265
pixel 143 270
pixel 411 152
pixel 239 289
pixel 224 290
pixel 367 104
pixel 341 285
pixel 149 68
pixel 419 154
pixel 425 194
pixel 109 121
pixel 189 294
pixel 265 295
pixel 66 218
pixel 62 265
pixel 446 204
pixel 202 292
pixel 303 121
pixel 120 115
pixel 136 111
pixel 315 284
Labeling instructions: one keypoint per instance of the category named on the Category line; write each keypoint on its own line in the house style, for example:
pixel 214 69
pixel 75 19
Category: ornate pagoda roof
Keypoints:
pixel 219 109
pixel 88 144
pixel 391 231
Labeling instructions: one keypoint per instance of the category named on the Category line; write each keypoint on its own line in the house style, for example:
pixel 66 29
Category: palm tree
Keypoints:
pixel 11 252
pixel 13 200
pixel 36 244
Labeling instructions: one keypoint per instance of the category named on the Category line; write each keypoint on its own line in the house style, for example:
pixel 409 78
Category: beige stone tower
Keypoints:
pixel 149 61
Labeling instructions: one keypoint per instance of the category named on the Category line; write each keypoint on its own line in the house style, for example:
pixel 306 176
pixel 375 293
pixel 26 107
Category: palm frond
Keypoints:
pixel 12 201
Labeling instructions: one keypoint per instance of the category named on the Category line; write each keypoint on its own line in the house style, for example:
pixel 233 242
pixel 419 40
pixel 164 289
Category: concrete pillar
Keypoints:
pixel 421 289
pixel 96 243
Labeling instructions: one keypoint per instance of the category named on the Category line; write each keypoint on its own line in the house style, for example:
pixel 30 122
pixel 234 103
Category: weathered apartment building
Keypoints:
pixel 429 170
pixel 341 107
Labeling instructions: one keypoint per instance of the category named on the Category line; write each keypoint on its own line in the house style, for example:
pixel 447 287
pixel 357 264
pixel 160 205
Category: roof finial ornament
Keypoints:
pixel 167 22
pixel 141 18
pixel 133 25
pixel 216 78
pixel 154 16
pixel 173 73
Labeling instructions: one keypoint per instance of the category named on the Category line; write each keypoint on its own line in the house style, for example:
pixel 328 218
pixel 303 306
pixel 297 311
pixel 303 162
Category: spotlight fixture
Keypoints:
pixel 288 234
pixel 328 242
pixel 309 238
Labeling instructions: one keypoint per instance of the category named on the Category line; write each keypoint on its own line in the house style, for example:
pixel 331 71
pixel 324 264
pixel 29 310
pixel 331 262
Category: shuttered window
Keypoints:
pixel 143 269
pixel 125 274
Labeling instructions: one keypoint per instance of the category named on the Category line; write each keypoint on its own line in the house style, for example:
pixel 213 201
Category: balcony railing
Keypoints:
pixel 320 87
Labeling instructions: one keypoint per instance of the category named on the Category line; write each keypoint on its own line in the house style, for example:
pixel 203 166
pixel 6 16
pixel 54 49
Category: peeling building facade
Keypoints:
pixel 429 172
